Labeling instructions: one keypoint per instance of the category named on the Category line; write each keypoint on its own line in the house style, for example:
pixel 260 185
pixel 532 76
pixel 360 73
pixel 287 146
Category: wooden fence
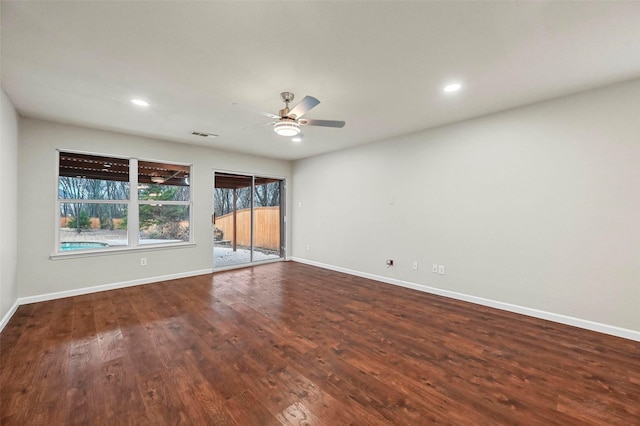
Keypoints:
pixel 95 222
pixel 267 232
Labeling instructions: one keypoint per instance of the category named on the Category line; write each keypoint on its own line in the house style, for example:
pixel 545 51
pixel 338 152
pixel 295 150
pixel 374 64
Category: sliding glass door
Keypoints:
pixel 248 219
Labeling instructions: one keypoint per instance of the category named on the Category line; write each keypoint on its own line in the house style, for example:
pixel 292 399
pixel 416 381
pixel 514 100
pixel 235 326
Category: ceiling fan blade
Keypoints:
pixel 259 125
pixel 323 123
pixel 304 106
pixel 266 114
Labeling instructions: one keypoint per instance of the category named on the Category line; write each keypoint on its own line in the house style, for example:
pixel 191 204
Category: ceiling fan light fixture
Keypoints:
pixel 453 87
pixel 286 127
pixel 140 102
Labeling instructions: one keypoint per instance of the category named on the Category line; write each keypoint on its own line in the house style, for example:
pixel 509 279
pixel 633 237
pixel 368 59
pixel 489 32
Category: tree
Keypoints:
pixel 164 221
pixel 80 221
pixel 267 194
pixel 80 188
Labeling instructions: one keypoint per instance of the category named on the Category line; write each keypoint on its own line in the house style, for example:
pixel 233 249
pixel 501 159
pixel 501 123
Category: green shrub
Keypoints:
pixel 123 223
pixel 106 223
pixel 83 223
pixel 218 235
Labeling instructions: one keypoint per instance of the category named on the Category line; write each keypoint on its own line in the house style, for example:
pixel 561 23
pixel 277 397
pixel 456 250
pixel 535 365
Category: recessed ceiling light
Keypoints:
pixel 453 87
pixel 139 102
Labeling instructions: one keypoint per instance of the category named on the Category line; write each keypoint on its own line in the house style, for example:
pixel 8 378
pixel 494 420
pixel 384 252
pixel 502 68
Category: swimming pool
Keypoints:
pixel 82 245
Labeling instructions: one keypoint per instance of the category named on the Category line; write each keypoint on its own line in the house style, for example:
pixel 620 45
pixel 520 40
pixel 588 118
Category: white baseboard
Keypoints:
pixel 9 314
pixel 113 286
pixel 550 316
pixel 87 290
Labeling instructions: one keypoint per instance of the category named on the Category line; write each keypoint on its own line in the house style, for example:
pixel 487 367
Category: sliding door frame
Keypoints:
pixel 282 218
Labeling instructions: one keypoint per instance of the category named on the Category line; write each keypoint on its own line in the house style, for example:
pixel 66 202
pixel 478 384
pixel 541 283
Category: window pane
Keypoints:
pixel 266 238
pixel 163 181
pixel 92 177
pixel 78 188
pixel 164 223
pixel 92 226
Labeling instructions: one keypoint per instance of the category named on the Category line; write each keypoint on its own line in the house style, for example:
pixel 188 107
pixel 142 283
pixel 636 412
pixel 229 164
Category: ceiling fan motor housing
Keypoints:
pixel 286 96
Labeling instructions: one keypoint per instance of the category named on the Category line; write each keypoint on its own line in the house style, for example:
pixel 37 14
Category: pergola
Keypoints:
pixel 117 169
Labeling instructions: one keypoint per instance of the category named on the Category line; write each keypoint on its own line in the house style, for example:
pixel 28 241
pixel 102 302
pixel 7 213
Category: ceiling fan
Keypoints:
pixel 288 121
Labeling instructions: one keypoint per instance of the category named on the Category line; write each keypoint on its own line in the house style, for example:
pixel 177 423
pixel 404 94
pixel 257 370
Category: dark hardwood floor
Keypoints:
pixel 287 343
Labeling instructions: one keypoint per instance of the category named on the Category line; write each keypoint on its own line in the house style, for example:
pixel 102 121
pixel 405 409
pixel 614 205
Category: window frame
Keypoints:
pixel 133 204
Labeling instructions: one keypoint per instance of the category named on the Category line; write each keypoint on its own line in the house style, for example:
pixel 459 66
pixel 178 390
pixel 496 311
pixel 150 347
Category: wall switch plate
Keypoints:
pixel 414 265
pixel 434 268
pixel 441 270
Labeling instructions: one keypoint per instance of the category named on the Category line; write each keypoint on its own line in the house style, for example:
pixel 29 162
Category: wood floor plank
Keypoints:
pixel 83 403
pixel 267 374
pixel 246 409
pixel 138 345
pixel 297 415
pixel 110 337
pixel 20 368
pixel 286 343
pixel 13 330
pixel 162 405
pixel 53 365
pixel 119 391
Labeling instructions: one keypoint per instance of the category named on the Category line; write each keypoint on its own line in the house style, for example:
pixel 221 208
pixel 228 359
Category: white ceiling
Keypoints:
pixel 380 66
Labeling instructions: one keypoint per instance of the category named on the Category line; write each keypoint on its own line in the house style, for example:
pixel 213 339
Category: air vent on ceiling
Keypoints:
pixel 204 135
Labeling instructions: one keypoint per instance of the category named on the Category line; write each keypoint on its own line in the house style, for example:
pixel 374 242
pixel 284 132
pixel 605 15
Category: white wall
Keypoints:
pixel 39 275
pixel 537 207
pixel 8 207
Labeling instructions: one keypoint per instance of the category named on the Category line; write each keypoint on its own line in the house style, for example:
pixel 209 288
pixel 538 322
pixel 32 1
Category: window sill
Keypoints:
pixel 121 250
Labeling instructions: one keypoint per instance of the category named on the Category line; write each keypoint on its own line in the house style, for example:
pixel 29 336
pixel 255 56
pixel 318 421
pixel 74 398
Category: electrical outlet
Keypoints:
pixel 143 261
pixel 389 262
pixel 308 247
pixel 414 265
pixel 441 270
pixel 434 268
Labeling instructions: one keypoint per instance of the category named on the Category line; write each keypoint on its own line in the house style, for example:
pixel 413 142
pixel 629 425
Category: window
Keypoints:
pixel 99 211
pixel 163 197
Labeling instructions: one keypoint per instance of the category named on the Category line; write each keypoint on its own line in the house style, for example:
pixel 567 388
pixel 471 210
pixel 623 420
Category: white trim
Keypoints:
pixel 559 318
pixel 133 207
pixel 9 314
pixel 133 203
pixel 87 290
pixel 283 213
pixel 70 254
pixel 550 316
pixel 236 172
pixel 248 265
pixel 105 287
